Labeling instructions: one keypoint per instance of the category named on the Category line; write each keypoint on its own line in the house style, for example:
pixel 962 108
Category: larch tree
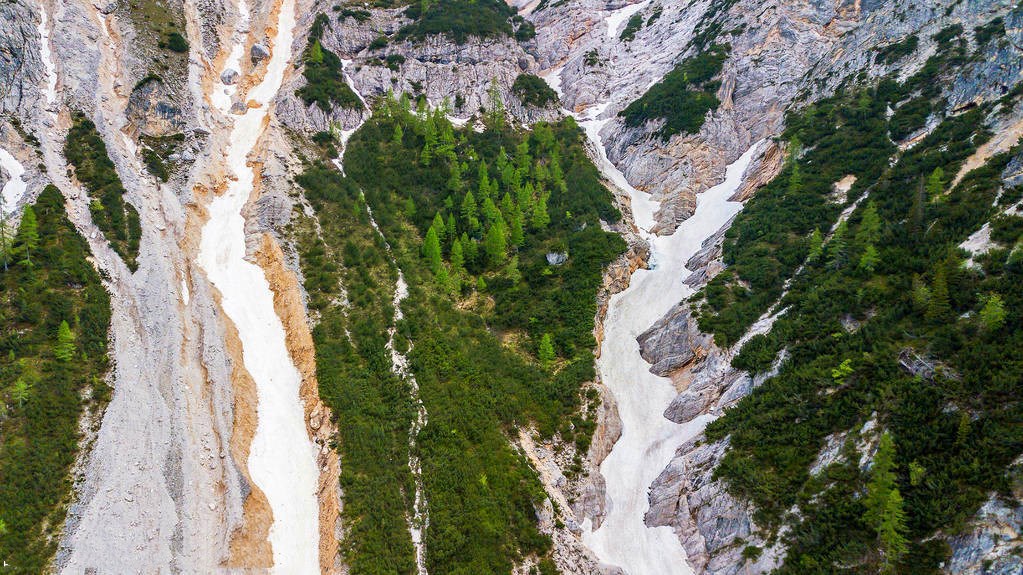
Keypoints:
pixel 65 348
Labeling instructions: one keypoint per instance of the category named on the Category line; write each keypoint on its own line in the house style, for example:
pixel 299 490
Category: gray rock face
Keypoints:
pixel 991 545
pixel 21 71
pixel 152 111
pixel 258 53
pixel 229 77
pixel 556 258
pixel 673 342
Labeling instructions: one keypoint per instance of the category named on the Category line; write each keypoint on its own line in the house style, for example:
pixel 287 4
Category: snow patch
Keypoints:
pixel 47 57
pixel 649 440
pixel 15 187
pixel 617 17
pixel 282 456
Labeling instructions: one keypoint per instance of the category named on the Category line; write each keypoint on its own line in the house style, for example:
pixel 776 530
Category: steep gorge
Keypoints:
pixel 273 272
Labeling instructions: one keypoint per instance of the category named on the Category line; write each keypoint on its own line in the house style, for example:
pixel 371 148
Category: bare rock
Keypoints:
pixel 229 77
pixel 673 342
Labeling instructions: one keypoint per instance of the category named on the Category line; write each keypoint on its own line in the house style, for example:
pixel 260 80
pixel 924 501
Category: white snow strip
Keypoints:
pixel 282 457
pixel 15 187
pixel 649 440
pixel 47 57
pixel 617 17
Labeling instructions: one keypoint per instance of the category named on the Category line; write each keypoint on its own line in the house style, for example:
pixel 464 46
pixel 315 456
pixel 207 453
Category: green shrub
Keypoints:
pixel 118 220
pixel 533 91
pixel 682 98
pixel 43 395
pixel 177 42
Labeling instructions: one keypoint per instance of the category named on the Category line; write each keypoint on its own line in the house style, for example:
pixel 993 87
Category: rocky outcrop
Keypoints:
pixel 714 527
pixel 990 544
pixel 673 342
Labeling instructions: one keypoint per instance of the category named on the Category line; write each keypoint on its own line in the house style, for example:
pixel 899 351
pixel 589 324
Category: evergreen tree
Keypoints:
pixel 438 224
pixel 495 245
pixel 431 250
pixel 430 137
pixel 512 271
pixel 992 315
pixel 454 183
pixel 21 391
pixel 938 308
pixel 883 509
pixel 315 53
pixel 546 350
pixel 507 205
pixel 816 246
pixel 471 249
pixel 484 182
pixel 410 208
pixel 540 217
pixel 795 180
pixel 496 106
pixel 457 256
pixel 935 183
pixel 518 235
pixel 451 229
pixel 837 247
pixel 490 211
pixel 892 532
pixel 870 226
pixel 65 348
pixel 28 234
pixel 869 259
pixel 557 175
pixel 469 212
pixel 522 158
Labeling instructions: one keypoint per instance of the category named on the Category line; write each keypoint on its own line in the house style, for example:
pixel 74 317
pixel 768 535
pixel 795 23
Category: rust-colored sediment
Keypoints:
pixel 289 307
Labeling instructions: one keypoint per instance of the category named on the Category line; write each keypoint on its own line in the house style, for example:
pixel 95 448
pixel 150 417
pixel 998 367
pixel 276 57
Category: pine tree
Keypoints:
pixel 65 348
pixel 451 229
pixel 540 217
pixel 935 183
pixel 837 247
pixel 795 180
pixel 410 208
pixel 938 308
pixel 496 106
pixel 882 482
pixel 431 250
pixel 490 211
pixel 511 271
pixel 398 137
pixel 457 256
pixel 21 391
pixel 471 249
pixel 28 234
pixel 518 235
pixel 869 259
pixel 454 183
pixel 892 531
pixel 522 158
pixel 870 226
pixel 438 224
pixel 315 53
pixel 546 350
pixel 495 245
pixel 430 137
pixel 469 212
pixel 484 181
pixel 992 315
pixel 816 246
